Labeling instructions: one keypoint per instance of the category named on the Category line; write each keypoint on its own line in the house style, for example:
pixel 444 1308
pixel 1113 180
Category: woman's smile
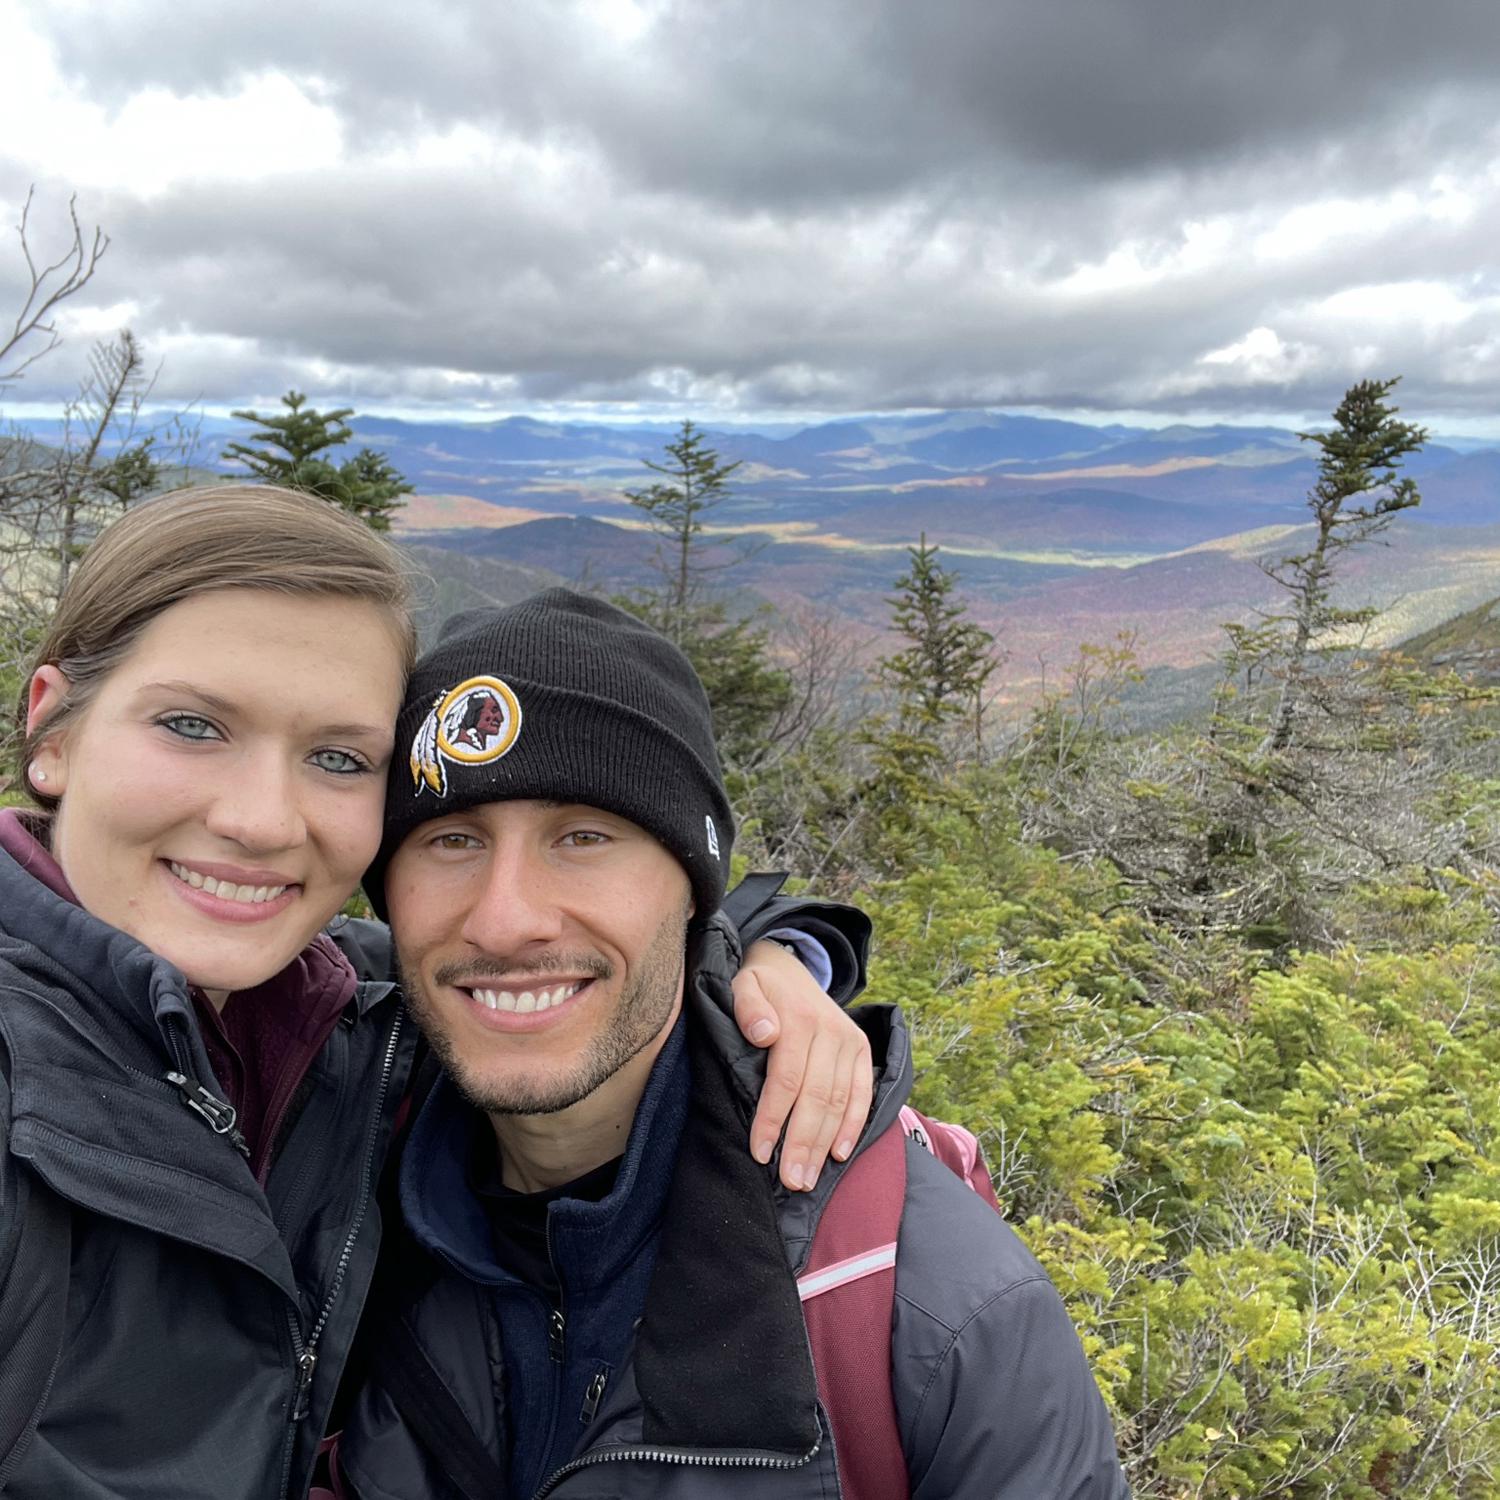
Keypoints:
pixel 232 895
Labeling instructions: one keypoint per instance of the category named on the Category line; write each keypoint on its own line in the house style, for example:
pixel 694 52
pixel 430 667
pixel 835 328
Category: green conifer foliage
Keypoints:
pixel 292 452
pixel 940 675
pixel 694 482
pixel 935 718
pixel 1360 491
pixel 1271 1203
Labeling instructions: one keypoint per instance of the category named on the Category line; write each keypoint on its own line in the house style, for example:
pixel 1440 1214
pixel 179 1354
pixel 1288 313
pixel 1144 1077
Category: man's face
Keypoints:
pixel 541 946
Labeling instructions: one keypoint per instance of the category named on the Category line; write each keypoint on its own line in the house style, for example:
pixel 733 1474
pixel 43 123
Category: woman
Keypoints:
pixel 198 1090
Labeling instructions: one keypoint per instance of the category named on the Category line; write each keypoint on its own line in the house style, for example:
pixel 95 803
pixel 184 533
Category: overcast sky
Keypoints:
pixel 1223 208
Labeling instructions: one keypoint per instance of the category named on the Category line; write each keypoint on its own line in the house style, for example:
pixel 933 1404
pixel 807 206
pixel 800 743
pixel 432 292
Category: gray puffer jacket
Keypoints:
pixel 993 1395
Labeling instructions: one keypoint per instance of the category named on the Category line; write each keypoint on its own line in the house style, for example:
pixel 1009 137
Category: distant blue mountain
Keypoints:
pixel 866 476
pixel 995 438
pixel 514 440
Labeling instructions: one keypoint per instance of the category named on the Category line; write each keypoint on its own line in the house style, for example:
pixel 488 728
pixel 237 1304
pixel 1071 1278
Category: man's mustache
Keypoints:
pixel 464 974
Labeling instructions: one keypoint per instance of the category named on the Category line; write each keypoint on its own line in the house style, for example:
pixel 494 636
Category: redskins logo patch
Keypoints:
pixel 472 725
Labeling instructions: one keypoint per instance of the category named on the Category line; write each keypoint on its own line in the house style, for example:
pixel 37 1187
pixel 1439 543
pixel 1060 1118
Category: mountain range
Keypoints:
pixel 1060 532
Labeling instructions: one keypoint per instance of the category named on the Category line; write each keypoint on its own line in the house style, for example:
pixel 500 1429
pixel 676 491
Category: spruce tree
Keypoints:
pixel 748 691
pixel 939 676
pixel 937 680
pixel 1359 493
pixel 292 454
pixel 693 482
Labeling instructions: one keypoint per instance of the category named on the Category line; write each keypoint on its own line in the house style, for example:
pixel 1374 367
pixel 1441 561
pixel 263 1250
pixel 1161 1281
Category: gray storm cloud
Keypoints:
pixel 851 204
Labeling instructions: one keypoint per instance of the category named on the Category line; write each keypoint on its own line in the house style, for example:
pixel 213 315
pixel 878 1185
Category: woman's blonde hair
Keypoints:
pixel 189 542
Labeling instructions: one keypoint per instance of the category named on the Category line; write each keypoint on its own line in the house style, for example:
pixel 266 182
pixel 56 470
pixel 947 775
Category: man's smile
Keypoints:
pixel 526 1001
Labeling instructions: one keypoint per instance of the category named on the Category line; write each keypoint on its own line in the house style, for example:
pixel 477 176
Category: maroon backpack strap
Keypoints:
pixel 848 1291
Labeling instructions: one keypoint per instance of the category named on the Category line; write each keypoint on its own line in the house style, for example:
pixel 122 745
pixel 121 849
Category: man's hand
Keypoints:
pixel 818 1071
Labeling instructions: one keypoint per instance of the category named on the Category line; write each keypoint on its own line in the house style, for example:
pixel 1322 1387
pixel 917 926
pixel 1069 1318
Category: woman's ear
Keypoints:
pixel 44 696
pixel 49 687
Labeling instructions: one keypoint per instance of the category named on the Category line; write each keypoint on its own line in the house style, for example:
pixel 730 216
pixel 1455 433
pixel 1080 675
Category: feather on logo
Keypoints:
pixel 471 725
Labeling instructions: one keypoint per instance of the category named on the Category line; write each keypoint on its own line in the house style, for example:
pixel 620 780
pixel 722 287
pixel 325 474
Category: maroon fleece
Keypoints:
pixel 265 1039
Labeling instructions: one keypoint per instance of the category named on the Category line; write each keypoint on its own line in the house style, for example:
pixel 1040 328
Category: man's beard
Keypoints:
pixel 644 1008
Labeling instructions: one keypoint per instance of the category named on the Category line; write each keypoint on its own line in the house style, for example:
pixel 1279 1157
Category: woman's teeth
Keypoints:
pixel 527 1000
pixel 225 890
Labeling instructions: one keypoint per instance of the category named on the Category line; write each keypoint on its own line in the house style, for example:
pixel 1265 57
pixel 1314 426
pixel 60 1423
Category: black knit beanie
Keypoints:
pixel 566 698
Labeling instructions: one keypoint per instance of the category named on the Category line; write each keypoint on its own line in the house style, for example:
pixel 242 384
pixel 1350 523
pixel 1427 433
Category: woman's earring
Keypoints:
pixel 39 776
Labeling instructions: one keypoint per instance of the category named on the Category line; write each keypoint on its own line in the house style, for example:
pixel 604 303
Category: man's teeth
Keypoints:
pixel 225 890
pixel 525 1001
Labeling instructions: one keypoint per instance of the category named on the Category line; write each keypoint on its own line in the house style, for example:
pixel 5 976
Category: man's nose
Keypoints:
pixel 517 905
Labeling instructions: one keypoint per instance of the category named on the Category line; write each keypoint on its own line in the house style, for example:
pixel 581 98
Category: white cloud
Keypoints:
pixel 155 139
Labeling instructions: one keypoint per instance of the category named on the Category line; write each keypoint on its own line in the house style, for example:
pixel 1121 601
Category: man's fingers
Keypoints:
pixel 861 1095
pixel 752 1011
pixel 818 1079
pixel 822 1107
pixel 785 1070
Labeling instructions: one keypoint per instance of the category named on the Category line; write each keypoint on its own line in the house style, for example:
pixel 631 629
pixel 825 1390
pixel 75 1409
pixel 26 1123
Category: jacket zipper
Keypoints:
pixel 686 1460
pixel 557 1346
pixel 593 1396
pixel 306 1350
pixel 218 1114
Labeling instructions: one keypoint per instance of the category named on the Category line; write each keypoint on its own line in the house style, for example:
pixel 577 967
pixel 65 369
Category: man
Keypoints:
pixel 608 1306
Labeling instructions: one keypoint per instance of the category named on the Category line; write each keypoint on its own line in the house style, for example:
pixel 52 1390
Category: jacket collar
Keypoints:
pixel 731 1241
pixel 590 1242
pixel 22 837
pixel 743 1067
pixel 42 912
pixel 136 1004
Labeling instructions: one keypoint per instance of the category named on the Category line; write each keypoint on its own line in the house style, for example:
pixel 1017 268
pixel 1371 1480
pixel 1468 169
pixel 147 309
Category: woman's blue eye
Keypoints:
pixel 189 727
pixel 340 762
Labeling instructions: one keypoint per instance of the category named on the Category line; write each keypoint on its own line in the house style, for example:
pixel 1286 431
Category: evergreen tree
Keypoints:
pixel 941 674
pixel 693 482
pixel 747 690
pixel 292 454
pixel 1358 494
pixel 938 680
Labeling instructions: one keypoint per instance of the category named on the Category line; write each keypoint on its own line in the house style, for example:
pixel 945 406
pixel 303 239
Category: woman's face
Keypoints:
pixel 222 792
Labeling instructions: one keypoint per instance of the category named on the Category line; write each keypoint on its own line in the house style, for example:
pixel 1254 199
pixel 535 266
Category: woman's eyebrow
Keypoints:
pixel 223 706
pixel 356 731
pixel 208 699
